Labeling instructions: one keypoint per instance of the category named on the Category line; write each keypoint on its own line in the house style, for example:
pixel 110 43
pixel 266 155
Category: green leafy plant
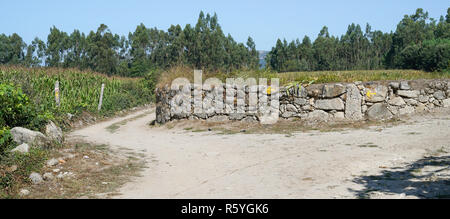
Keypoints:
pixel 5 141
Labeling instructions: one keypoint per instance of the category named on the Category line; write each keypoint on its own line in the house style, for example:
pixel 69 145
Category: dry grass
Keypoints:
pixel 98 175
pixel 115 126
pixel 285 127
pixel 305 77
pixel 359 75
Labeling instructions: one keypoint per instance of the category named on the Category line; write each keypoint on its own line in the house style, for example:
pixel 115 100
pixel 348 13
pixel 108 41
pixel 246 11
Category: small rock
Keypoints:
pixel 411 102
pixel 56 170
pixel 300 101
pixel 69 156
pixel 288 114
pixel 333 90
pixel 24 192
pixel 439 95
pixel 36 178
pixel 394 85
pixel 397 101
pixel 23 148
pixel 423 98
pixel 291 108
pixel 406 110
pixel 249 119
pixel 404 85
pixel 85 157
pixel 48 176
pixel 54 132
pixel 64 175
pixel 437 103
pixel 318 115
pixel 409 93
pixel 446 103
pixel 218 119
pixel 52 162
pixel 339 115
pixel 379 111
pixel 421 107
pixel 11 168
pixel 236 116
pixel 330 104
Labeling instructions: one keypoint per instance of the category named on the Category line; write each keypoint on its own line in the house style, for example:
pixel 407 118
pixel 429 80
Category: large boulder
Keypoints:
pixel 332 90
pixel 22 135
pixel 54 132
pixel 330 104
pixel 376 93
pixel 353 103
pixel 379 111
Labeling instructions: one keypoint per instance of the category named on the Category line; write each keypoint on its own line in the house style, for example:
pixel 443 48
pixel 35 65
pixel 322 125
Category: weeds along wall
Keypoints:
pixel 378 100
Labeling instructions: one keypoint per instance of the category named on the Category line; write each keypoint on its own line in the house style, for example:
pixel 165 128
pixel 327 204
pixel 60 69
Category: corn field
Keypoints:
pixel 79 90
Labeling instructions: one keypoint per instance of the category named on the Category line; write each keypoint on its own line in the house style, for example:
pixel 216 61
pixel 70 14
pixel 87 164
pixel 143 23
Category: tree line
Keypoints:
pixel 203 46
pixel 419 42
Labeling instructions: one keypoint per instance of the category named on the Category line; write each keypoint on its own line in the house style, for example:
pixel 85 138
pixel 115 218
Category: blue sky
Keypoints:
pixel 265 21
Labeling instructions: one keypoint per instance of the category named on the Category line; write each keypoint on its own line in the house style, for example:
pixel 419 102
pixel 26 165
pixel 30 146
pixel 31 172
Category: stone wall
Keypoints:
pixel 379 100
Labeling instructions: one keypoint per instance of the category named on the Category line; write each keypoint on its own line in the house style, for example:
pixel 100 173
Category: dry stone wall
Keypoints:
pixel 379 100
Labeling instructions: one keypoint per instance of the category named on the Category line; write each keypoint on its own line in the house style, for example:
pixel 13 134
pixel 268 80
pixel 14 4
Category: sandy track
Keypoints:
pixel 185 164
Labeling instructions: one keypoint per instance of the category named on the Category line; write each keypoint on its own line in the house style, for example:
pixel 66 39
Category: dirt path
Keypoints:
pixel 344 164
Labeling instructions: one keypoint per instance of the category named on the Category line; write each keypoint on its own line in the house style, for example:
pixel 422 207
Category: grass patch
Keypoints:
pixel 199 130
pixel 305 77
pixel 15 168
pixel 96 171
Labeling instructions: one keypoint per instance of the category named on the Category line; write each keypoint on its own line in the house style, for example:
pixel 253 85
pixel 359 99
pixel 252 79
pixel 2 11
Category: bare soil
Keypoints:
pixel 402 159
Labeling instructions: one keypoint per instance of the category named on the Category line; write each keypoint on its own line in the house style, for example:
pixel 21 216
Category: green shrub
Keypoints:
pixel 15 108
pixel 5 141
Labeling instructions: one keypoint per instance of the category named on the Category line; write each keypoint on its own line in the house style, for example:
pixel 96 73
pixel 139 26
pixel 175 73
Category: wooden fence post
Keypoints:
pixel 57 100
pixel 101 98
